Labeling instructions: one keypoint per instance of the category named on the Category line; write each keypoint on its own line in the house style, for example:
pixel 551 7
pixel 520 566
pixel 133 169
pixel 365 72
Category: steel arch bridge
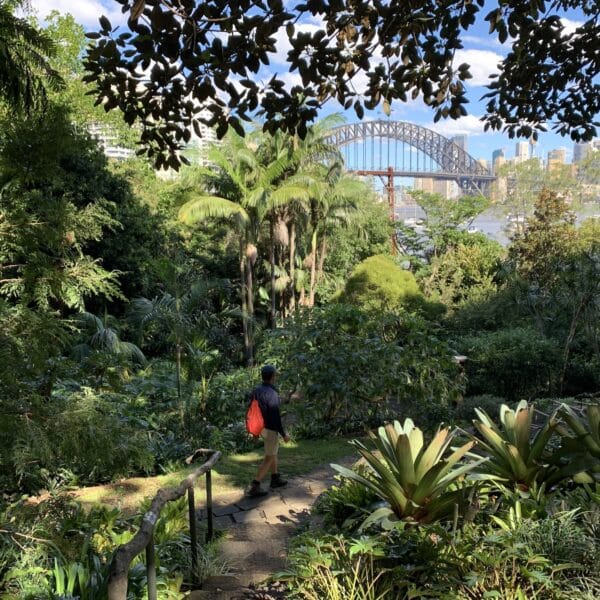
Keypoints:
pixel 391 149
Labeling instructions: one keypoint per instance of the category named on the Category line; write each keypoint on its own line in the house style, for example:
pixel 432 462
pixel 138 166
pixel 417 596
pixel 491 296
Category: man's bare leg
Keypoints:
pixel 265 466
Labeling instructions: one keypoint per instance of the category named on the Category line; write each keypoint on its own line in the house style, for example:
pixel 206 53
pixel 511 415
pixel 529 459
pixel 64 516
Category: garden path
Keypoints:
pixel 257 533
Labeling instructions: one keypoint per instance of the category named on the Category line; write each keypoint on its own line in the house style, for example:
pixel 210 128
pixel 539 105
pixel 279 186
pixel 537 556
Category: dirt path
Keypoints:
pixel 258 531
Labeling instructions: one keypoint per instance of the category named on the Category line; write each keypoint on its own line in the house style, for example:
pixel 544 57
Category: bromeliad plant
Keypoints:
pixel 519 458
pixel 421 483
pixel 585 432
pixel 581 441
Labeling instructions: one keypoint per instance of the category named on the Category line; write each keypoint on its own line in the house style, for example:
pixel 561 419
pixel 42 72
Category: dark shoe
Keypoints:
pixel 277 481
pixel 255 491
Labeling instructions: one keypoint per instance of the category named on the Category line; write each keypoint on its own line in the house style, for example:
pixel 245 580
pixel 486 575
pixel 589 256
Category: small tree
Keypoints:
pixel 177 316
pixel 378 283
pixel 101 347
pixel 540 253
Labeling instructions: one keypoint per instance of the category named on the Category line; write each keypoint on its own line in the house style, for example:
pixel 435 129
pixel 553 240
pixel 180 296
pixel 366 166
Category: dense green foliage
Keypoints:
pixel 27 73
pixel 351 367
pixel 135 313
pixel 58 550
pixel 378 283
pixel 526 533
pixel 513 363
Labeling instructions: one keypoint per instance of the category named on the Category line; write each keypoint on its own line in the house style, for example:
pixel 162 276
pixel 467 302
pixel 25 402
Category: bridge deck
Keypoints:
pixel 420 174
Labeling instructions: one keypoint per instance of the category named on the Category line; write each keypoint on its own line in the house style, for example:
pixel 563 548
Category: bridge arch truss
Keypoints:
pixel 373 145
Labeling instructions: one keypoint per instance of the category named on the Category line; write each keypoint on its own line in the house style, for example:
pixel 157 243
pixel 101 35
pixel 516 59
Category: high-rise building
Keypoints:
pixel 522 152
pixel 198 147
pixel 108 141
pixel 581 151
pixel 461 140
pixel 444 187
pixel 556 158
pixel 482 162
pixel 498 160
pixel 424 184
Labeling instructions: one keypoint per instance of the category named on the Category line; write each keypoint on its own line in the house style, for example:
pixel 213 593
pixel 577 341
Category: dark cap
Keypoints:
pixel 268 371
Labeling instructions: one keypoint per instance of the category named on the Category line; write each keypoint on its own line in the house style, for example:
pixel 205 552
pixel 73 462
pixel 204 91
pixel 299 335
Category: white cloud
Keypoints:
pixel 483 63
pixel 282 42
pixel 485 42
pixel 570 26
pixel 469 125
pixel 86 12
pixel 290 79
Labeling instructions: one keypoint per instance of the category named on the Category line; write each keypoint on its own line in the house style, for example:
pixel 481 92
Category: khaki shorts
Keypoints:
pixel 271 441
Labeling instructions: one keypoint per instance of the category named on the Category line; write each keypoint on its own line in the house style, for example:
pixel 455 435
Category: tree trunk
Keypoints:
pixel 250 304
pixel 313 269
pixel 570 338
pixel 178 371
pixel 302 299
pixel 247 344
pixel 293 266
pixel 272 261
pixel 322 255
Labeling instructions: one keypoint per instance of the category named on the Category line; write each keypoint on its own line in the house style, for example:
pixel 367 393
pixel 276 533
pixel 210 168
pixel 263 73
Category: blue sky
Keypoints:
pixel 481 51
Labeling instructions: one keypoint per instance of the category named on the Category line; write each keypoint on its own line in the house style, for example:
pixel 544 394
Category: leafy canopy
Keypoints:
pixel 181 55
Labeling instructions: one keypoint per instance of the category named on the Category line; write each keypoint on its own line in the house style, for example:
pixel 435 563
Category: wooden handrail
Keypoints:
pixel 143 539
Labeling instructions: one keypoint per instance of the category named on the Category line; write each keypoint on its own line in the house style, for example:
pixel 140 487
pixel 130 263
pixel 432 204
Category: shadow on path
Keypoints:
pixel 258 529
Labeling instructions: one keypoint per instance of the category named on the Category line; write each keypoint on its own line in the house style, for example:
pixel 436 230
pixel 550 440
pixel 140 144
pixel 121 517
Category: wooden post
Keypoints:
pixel 151 570
pixel 143 539
pixel 193 533
pixel 209 506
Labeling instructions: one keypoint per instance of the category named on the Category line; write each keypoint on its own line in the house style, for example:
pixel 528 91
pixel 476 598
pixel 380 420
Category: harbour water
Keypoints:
pixel 494 222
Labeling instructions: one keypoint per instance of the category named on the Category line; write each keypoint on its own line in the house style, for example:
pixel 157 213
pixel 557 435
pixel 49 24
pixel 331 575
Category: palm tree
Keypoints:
pixel 334 198
pixel 302 156
pixel 228 178
pixel 247 188
pixel 177 316
pixel 101 341
pixel 25 71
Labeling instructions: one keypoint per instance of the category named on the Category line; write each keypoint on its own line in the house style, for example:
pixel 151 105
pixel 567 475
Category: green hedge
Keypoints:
pixel 512 363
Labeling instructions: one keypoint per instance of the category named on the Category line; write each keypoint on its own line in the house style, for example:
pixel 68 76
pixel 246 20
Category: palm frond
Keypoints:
pixel 286 194
pixel 200 208
pixel 89 321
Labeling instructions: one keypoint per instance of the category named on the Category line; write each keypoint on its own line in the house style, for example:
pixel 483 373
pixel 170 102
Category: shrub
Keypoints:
pixel 512 363
pixel 379 284
pixel 337 569
pixel 353 368
pixel 466 271
pixel 522 460
pixel 90 435
pixel 346 503
pixel 57 549
pixel 465 410
pixel 227 397
pixel 582 375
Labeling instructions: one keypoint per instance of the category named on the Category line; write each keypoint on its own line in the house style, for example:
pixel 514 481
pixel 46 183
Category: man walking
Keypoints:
pixel 269 402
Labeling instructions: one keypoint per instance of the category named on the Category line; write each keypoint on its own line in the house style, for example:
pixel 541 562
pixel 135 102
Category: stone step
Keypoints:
pixel 212 595
pixel 221 583
pixel 219 587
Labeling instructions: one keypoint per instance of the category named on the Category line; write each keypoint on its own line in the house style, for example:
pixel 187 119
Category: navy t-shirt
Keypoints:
pixel 269 402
